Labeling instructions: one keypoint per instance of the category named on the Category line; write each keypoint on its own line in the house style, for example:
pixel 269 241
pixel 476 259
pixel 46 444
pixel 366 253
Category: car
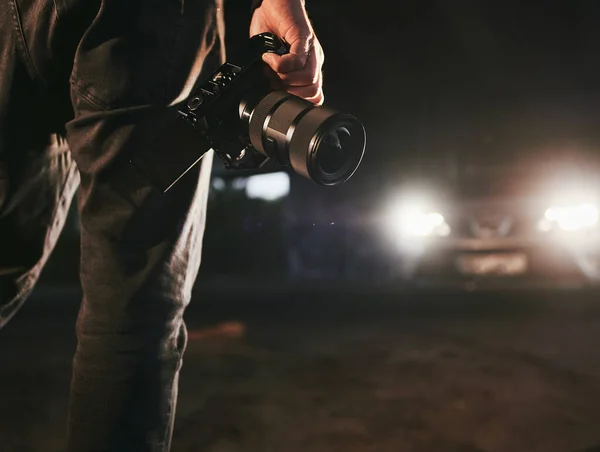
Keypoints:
pixel 527 223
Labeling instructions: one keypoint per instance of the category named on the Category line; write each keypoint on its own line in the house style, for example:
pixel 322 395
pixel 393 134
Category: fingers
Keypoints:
pixel 306 75
pixel 301 69
pixel 312 92
pixel 295 60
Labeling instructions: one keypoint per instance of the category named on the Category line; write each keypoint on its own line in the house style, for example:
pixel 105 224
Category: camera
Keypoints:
pixel 243 113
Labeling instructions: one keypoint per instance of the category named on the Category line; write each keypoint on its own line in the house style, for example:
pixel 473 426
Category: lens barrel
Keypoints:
pixel 318 142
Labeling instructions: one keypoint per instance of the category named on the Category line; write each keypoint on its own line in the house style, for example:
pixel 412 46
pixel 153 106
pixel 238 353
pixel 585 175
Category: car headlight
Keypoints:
pixel 417 222
pixel 573 217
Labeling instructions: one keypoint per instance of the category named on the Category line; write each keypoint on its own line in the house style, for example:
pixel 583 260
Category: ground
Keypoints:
pixel 324 370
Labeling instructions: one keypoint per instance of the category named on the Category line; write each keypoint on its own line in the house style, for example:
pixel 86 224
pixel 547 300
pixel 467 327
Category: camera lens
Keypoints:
pixel 317 142
pixel 331 156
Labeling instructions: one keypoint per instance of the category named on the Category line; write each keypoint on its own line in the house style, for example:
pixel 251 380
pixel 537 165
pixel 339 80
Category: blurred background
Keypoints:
pixel 482 123
pixel 444 298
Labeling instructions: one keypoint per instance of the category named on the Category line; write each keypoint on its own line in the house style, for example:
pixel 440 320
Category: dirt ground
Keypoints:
pixel 318 371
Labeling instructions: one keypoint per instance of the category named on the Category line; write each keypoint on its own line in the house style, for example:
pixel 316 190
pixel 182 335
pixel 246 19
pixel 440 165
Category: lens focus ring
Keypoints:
pixel 260 114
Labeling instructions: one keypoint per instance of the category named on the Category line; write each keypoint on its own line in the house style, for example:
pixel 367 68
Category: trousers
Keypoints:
pixel 81 84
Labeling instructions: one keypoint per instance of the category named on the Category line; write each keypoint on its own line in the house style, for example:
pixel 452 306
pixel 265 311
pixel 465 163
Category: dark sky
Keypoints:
pixel 478 77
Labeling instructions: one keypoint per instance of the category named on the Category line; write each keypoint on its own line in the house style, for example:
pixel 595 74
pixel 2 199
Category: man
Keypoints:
pixel 81 84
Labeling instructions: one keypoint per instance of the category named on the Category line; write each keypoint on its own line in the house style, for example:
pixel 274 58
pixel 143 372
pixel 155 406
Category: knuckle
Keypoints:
pixel 305 31
pixel 317 99
pixel 305 80
pixel 313 91
pixel 308 38
pixel 274 65
pixel 277 65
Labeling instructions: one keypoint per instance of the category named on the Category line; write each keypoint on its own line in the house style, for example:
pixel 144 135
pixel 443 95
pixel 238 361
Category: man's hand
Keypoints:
pixel 301 69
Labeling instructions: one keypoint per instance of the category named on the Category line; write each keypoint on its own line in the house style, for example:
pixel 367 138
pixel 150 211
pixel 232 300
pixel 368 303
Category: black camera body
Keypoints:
pixel 214 107
pixel 244 115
